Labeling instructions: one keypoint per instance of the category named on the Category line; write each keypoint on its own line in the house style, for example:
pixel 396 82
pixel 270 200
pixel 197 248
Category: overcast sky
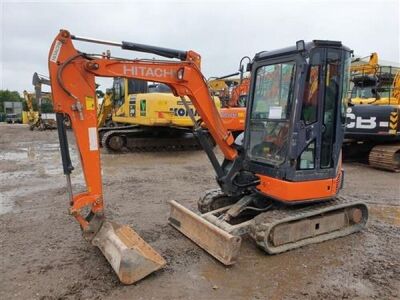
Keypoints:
pixel 221 31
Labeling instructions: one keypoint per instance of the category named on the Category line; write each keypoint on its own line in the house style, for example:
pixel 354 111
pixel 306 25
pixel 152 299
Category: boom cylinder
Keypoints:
pixel 165 52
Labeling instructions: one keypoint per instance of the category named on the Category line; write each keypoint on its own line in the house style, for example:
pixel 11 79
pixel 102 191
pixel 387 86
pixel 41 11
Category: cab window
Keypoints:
pixel 269 122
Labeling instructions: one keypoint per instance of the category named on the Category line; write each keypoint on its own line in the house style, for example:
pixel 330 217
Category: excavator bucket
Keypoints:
pixel 129 255
pixel 216 241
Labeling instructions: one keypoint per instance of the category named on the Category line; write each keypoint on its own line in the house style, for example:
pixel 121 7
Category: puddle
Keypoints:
pixel 10 176
pixel 255 263
pixel 49 147
pixel 33 168
pixel 13 155
pixel 9 199
pixel 31 152
pixel 6 205
pixel 386 213
pixel 293 268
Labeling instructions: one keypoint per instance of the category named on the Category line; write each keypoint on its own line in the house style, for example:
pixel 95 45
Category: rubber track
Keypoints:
pixel 264 223
pixel 209 201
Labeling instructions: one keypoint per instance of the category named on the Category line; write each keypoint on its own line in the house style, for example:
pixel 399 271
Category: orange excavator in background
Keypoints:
pixel 233 93
pixel 240 92
pixel 279 184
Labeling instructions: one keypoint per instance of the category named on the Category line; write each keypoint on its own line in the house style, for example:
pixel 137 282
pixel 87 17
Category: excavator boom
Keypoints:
pixel 72 76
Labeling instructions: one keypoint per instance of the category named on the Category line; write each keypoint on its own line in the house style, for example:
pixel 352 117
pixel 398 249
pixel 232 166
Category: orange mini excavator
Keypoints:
pixel 279 183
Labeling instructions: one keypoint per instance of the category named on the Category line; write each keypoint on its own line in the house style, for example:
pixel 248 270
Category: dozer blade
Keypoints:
pixel 129 255
pixel 219 243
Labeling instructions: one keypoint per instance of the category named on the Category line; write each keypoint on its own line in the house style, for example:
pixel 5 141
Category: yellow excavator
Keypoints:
pixel 105 110
pixel 30 116
pixel 145 117
pixel 373 127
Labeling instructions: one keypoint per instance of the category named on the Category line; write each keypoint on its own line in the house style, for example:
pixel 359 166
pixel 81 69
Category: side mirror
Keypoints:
pixel 249 67
pixel 300 45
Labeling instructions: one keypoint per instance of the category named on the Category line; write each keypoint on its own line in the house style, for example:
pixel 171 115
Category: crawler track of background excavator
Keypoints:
pixel 385 157
pixel 137 140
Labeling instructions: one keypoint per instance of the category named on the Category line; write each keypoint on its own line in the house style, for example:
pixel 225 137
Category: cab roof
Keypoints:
pixel 299 47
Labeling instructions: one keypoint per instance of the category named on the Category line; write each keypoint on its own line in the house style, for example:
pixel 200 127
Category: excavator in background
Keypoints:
pixel 145 117
pixel 232 112
pixel 158 120
pixel 105 110
pixel 280 183
pixel 222 87
pixel 30 116
pixel 46 120
pixel 239 93
pixel 36 118
pixel 373 125
pixel 238 97
pixel 233 92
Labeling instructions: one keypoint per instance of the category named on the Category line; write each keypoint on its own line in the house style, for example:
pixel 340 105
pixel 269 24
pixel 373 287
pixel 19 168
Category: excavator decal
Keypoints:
pixel 56 52
pixel 181 112
pixel 393 122
pixel 143 107
pixel 148 72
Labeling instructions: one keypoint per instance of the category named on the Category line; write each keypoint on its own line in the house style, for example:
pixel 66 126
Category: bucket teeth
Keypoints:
pixel 129 255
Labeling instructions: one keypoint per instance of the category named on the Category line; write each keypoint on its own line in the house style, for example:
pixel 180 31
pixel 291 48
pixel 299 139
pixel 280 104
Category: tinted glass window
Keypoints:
pixel 307 158
pixel 269 122
pixel 271 95
pixel 137 86
pixel 332 83
pixel 309 109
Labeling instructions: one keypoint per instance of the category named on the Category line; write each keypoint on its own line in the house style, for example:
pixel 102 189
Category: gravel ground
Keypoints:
pixel 43 255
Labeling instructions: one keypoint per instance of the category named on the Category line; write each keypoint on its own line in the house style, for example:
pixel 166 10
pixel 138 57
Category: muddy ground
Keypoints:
pixel 43 255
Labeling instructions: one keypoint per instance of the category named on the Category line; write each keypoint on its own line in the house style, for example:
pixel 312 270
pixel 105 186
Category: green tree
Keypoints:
pixel 47 106
pixel 12 96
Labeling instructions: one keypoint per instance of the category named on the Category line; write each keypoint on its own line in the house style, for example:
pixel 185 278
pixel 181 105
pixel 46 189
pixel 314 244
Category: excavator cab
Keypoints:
pixel 282 188
pixel 123 87
pixel 296 113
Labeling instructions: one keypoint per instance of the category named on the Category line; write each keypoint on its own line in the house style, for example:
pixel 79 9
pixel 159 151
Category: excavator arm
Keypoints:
pixel 73 86
pixel 72 76
pixel 28 100
pixel 105 109
pixel 37 81
pixel 368 68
